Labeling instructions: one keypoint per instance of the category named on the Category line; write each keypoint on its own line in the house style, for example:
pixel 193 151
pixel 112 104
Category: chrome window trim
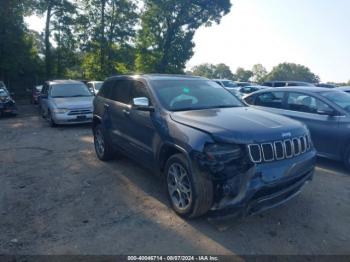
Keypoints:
pixel 273 152
pixel 250 153
pixel 274 144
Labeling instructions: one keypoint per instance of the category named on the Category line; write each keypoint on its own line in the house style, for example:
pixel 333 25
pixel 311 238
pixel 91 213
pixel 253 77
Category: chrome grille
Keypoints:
pixel 279 150
pixel 76 112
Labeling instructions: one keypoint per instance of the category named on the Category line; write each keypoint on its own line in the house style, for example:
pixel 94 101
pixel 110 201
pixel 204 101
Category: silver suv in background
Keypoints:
pixel 66 102
pixel 326 112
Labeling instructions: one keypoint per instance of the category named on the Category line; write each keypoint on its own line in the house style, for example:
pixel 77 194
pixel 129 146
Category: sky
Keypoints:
pixel 314 33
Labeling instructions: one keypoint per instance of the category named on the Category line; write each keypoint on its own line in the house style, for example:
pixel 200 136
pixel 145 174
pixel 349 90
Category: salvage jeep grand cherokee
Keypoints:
pixel 215 153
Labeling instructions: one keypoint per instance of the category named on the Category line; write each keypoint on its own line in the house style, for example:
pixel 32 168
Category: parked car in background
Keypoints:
pixel 251 89
pixel 215 153
pixel 286 83
pixel 35 94
pixel 94 86
pixel 66 102
pixel 7 104
pixel 243 84
pixel 326 112
pixel 344 88
pixel 226 83
pixel 326 85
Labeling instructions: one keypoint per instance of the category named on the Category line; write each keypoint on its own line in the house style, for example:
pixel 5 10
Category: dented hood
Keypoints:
pixel 240 124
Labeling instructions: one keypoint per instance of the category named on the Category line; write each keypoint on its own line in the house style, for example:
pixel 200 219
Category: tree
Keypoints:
pixel 54 10
pixel 292 72
pixel 205 70
pixel 109 26
pixel 165 42
pixel 243 75
pixel 259 73
pixel 20 64
pixel 223 71
pixel 213 71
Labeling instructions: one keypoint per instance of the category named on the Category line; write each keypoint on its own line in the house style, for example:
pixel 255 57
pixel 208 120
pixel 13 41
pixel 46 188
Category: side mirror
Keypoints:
pixel 142 104
pixel 326 111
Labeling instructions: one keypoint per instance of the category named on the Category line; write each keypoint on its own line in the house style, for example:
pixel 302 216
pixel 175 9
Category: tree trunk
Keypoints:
pixel 103 40
pixel 48 62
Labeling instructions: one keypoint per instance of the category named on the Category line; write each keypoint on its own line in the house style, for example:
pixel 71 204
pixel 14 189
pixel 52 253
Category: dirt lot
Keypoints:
pixel 57 198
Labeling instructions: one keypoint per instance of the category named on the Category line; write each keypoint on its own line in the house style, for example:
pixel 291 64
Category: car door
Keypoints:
pixel 118 110
pixel 324 129
pixel 140 126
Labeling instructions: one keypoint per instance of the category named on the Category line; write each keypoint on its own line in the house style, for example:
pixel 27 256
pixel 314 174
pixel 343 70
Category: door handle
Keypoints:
pixel 106 106
pixel 126 112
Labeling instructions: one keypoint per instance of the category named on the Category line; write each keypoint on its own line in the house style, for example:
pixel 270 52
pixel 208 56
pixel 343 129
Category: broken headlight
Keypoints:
pixel 223 152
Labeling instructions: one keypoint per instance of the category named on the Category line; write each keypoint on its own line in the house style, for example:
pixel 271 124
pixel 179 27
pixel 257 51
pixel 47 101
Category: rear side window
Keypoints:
pixel 121 91
pixel 305 103
pixel 106 90
pixel 270 99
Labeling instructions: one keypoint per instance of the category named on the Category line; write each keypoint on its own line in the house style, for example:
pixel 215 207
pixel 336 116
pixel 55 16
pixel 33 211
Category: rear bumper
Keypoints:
pixel 259 191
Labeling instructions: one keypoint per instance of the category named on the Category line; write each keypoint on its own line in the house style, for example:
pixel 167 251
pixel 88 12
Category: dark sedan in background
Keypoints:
pixel 326 112
pixel 7 104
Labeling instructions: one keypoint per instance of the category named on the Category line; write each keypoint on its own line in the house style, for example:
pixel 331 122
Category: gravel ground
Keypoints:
pixel 57 198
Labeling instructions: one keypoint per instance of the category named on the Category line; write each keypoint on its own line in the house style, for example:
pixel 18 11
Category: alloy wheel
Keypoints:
pixel 99 142
pixel 179 186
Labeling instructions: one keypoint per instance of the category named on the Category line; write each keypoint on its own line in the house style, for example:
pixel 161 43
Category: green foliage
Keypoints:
pixel 243 75
pixel 292 72
pixel 213 71
pixel 19 60
pixel 165 43
pixel 259 73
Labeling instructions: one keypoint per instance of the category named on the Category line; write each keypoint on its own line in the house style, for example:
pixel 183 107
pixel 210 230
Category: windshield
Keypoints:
pixel 69 90
pixel 98 86
pixel 3 92
pixel 342 99
pixel 183 95
pixel 229 84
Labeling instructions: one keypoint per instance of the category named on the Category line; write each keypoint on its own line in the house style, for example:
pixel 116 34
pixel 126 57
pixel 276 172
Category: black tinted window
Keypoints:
pixel 121 91
pixel 106 90
pixel 138 89
pixel 270 99
pixel 280 84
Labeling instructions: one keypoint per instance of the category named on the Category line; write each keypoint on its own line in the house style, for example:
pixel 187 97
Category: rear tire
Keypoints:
pixel 347 158
pixel 103 145
pixel 190 194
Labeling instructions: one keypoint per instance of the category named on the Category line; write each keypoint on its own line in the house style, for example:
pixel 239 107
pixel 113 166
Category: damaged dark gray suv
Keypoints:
pixel 216 154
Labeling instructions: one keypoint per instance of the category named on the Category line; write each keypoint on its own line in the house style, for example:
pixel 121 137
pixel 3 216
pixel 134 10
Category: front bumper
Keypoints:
pixel 65 119
pixel 267 185
pixel 8 108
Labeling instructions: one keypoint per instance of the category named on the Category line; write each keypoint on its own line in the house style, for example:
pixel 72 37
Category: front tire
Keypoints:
pixel 103 146
pixel 51 120
pixel 190 194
